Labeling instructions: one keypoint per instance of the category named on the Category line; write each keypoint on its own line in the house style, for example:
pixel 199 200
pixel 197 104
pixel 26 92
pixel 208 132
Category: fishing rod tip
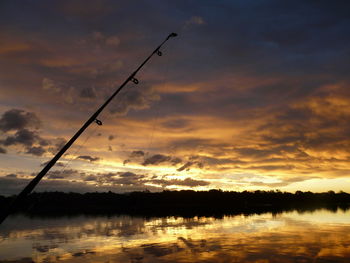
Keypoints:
pixel 172 35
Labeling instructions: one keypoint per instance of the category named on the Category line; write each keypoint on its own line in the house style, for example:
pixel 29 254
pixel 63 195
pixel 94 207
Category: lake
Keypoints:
pixel 319 236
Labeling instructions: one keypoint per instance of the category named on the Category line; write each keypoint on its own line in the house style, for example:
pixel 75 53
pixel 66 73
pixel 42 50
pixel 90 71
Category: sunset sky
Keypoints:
pixel 252 95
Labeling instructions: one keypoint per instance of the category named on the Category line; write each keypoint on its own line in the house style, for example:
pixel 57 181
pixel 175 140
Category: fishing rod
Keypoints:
pixel 26 191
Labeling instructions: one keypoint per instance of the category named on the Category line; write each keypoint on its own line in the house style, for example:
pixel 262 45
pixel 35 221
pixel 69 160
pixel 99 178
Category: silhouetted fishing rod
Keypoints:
pixel 92 119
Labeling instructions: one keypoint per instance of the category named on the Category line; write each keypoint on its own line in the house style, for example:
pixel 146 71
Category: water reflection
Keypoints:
pixel 321 236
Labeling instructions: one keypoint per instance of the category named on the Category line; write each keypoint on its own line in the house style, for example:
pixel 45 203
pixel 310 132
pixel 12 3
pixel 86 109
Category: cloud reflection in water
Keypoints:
pixel 289 237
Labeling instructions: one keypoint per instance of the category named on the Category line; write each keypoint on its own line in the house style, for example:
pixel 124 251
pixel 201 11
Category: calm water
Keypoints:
pixel 321 236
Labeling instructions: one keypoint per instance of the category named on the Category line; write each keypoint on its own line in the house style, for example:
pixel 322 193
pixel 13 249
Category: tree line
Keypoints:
pixel 182 203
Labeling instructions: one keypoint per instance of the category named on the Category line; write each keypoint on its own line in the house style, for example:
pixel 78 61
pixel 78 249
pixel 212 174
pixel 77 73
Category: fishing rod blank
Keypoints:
pixel 92 119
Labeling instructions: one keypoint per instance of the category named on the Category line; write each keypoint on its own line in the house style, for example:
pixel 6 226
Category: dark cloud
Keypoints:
pixel 140 180
pixel 88 158
pixel 44 248
pixel 43 142
pixel 110 137
pixel 16 119
pixel 128 178
pixel 117 179
pixel 317 123
pixel 60 174
pixel 10 186
pixel 254 152
pixel 56 145
pixel 127 175
pixel 192 182
pixel 135 98
pixel 22 136
pixel 59 164
pixel 156 159
pixel 90 178
pixel 135 154
pixel 186 182
pixel 187 165
pixel 2 150
pixel 66 181
pixel 88 93
pixel 176 160
pixel 38 151
pixel 55 175
pixel 23 126
pixel 28 139
pixel 11 175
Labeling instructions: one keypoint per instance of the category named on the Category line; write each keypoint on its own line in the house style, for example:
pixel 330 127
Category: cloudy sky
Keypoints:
pixel 251 94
